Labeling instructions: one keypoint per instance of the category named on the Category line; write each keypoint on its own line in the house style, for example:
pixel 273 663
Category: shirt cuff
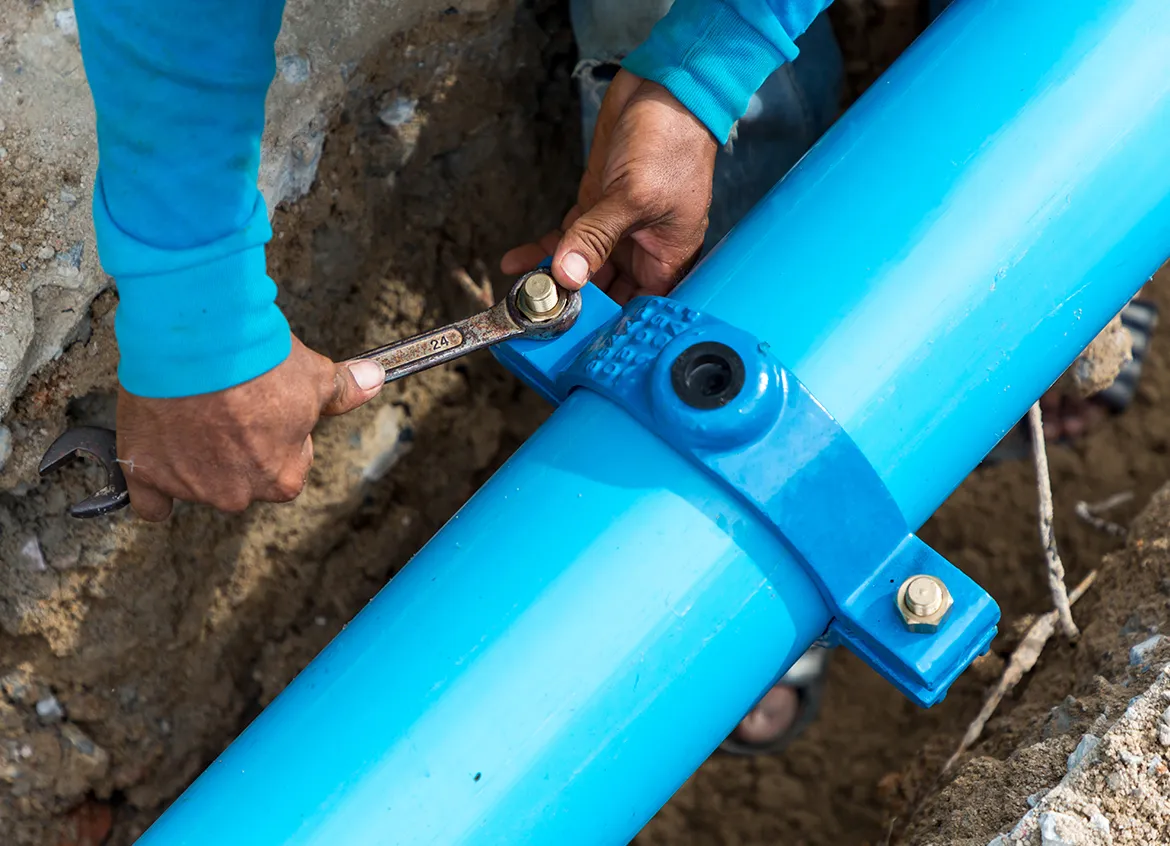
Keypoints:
pixel 193 321
pixel 707 54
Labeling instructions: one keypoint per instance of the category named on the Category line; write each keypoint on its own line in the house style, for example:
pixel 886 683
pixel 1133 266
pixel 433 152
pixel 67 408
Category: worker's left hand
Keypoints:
pixel 641 211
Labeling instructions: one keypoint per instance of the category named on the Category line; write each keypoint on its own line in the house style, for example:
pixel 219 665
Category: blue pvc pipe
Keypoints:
pixel 572 645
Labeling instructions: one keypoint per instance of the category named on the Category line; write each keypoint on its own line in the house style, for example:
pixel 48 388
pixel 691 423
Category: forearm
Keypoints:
pixel 714 54
pixel 179 90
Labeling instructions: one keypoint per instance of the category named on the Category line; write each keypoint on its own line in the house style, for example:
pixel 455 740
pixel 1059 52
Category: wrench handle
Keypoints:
pixel 425 350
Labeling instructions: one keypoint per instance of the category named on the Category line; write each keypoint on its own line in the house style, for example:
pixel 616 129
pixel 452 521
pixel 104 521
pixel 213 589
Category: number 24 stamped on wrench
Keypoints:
pixel 535 308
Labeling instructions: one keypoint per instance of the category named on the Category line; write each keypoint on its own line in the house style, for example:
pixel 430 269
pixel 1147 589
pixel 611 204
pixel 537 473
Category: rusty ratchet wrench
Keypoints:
pixel 535 308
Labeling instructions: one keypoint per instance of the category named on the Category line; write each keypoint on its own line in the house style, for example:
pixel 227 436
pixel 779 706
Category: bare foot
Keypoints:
pixel 773 716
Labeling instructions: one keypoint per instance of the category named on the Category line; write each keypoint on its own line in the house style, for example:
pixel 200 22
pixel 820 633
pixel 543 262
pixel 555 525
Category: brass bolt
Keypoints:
pixel 539 298
pixel 923 602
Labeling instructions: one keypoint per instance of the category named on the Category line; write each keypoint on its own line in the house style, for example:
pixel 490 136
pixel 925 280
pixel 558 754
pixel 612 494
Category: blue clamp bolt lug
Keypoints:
pixel 783 453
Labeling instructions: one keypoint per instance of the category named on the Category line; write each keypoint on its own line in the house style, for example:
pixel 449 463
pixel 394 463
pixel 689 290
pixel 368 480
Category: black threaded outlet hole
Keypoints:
pixel 708 375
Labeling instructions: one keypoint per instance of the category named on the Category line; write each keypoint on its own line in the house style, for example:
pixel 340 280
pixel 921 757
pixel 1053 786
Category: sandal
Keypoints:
pixel 807 677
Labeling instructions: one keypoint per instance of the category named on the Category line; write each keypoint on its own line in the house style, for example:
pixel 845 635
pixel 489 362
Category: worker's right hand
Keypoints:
pixel 228 449
pixel 641 212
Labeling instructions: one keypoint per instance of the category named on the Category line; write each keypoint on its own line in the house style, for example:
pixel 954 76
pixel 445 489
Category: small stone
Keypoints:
pixel 1129 758
pixel 1058 830
pixel 5 443
pixel 66 22
pixel 1087 747
pixel 17 687
pixel 16 247
pixel 5 295
pixel 31 552
pixel 33 556
pixel 78 739
pixel 1100 822
pixel 67 197
pixel 72 256
pixel 3 154
pixel 400 111
pixel 1164 728
pixel 1140 653
pixel 46 252
pixel 3 126
pixel 320 621
pixel 1155 765
pixel 22 163
pixel 293 69
pixel 49 710
pixel 1035 798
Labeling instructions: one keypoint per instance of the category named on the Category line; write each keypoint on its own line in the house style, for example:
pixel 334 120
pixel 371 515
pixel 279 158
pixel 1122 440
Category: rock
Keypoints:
pixel 1140 653
pixel 401 110
pixel 5 433
pixel 1058 830
pixel 18 687
pixel 293 69
pixel 1100 822
pixel 1130 758
pixel 49 710
pixel 33 557
pixel 83 762
pixel 72 256
pixel 1086 748
pixel 1097 367
pixel 66 21
pixel 382 444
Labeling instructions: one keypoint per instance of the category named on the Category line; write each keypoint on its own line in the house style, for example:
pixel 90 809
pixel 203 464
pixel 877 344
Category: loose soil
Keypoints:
pixel 159 643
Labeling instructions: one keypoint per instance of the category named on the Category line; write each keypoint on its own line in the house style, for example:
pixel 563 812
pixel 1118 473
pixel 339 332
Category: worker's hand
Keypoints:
pixel 246 444
pixel 641 210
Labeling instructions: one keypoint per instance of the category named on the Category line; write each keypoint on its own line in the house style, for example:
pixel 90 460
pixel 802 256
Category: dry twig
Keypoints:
pixel 481 292
pixel 1022 661
pixel 1047 531
pixel 1091 514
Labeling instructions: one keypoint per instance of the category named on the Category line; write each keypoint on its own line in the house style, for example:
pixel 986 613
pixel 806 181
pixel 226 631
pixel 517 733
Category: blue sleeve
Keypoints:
pixel 714 54
pixel 179 89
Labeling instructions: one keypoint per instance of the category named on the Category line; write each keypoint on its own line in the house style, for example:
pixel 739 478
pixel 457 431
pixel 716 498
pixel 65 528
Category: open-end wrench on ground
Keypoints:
pixel 535 308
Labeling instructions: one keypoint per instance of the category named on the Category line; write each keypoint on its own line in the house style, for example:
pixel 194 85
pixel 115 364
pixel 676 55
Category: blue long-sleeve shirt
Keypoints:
pixel 179 90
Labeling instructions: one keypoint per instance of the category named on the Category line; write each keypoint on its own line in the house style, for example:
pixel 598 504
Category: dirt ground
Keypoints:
pixel 129 658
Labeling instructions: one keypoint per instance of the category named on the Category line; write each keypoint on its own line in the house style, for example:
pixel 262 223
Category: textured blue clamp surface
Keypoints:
pixel 788 458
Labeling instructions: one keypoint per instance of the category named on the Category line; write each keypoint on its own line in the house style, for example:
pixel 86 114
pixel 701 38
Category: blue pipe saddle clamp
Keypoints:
pixel 718 396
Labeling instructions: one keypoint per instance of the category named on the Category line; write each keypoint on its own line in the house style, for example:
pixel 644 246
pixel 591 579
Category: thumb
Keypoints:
pixel 354 384
pixel 589 240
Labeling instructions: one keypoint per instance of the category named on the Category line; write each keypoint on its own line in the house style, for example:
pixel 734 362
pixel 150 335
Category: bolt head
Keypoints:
pixel 539 297
pixel 924 602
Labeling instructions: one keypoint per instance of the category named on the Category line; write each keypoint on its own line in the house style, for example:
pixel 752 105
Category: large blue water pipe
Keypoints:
pixel 587 629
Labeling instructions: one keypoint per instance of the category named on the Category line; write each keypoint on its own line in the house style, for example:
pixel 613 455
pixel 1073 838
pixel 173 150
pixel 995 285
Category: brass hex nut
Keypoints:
pixel 924 602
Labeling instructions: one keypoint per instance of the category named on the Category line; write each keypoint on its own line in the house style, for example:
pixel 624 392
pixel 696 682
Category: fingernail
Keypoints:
pixel 576 268
pixel 368 374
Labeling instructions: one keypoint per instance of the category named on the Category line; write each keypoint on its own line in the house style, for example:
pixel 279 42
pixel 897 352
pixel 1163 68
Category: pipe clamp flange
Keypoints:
pixel 719 397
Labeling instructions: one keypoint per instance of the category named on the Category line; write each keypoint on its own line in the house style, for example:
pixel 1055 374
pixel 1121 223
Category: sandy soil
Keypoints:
pixel 158 644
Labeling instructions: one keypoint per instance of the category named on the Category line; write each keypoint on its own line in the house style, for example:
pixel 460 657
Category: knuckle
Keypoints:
pixel 642 194
pixel 288 487
pixel 235 502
